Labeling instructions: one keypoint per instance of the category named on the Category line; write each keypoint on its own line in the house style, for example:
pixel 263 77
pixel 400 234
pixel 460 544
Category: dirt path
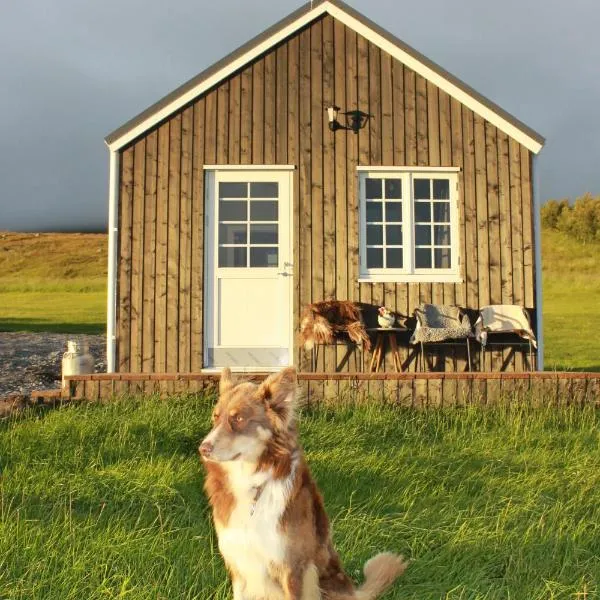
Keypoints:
pixel 32 361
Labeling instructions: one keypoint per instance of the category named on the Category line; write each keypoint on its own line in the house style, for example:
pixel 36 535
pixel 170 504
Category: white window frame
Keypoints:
pixel 409 273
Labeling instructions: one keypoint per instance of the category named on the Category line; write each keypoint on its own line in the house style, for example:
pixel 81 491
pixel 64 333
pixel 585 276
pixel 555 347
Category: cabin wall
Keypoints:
pixel 273 112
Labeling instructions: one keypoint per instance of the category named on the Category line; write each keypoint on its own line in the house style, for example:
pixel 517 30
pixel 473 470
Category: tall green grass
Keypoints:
pixel 105 501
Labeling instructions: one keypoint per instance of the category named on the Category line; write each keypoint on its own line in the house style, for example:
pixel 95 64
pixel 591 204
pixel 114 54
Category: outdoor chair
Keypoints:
pixel 441 325
pixel 504 322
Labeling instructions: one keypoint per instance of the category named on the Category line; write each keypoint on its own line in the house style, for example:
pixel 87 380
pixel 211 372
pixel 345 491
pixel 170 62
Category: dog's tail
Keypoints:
pixel 380 572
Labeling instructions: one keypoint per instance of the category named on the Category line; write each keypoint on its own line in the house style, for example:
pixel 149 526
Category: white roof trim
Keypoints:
pixel 327 7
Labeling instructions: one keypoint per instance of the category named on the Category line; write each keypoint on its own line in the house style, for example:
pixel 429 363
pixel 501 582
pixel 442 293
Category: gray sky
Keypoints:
pixel 74 70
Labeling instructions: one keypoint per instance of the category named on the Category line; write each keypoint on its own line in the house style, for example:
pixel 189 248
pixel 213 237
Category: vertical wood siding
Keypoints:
pixel 273 112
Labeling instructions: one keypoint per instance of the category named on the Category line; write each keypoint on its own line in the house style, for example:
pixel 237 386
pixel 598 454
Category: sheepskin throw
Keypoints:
pixel 436 323
pixel 322 321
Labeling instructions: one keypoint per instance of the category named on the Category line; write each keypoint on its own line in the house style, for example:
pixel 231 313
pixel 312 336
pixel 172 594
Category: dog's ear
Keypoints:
pixel 226 382
pixel 278 392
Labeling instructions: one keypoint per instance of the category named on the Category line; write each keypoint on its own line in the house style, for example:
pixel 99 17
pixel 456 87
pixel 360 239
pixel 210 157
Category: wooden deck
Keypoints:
pixel 406 389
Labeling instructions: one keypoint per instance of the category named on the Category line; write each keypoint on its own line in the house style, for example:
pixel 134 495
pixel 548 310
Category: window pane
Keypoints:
pixel 393 212
pixel 263 257
pixel 393 188
pixel 423 258
pixel 441 212
pixel 232 257
pixel 232 234
pixel 393 257
pixel 235 210
pixel 422 189
pixel 441 189
pixel 374 258
pixel 441 235
pixel 233 190
pixel 393 235
pixel 374 212
pixel 422 235
pixel 263 211
pixel 422 212
pixel 374 235
pixel 263 234
pixel 442 258
pixel 267 189
pixel 373 189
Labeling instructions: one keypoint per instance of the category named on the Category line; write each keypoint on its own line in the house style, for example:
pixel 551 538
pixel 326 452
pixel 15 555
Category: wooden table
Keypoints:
pixel 379 350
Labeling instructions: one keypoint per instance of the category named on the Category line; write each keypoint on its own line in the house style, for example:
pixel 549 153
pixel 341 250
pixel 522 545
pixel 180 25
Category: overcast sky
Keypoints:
pixel 72 71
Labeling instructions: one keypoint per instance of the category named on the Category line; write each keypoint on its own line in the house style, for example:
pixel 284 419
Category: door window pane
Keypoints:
pixel 263 234
pixel 393 258
pixel 442 258
pixel 441 235
pixel 422 212
pixel 373 189
pixel 263 210
pixel 233 190
pixel 263 257
pixel 374 212
pixel 393 235
pixel 441 189
pixel 393 212
pixel 441 212
pixel 393 189
pixel 422 189
pixel 374 258
pixel 423 258
pixel 422 235
pixel 232 233
pixel 269 189
pixel 233 210
pixel 232 257
pixel 374 235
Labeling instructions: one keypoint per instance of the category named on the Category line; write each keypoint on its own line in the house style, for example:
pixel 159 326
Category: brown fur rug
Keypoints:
pixel 322 321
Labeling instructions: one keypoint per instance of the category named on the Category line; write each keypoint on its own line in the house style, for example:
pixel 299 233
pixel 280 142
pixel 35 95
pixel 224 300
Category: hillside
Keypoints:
pixel 57 282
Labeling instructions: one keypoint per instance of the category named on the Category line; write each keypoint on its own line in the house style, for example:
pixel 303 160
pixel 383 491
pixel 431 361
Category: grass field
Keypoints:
pixel 57 282
pixel 105 501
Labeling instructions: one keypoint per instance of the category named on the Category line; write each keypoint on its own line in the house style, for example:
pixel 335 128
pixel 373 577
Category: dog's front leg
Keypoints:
pixel 302 584
pixel 238 589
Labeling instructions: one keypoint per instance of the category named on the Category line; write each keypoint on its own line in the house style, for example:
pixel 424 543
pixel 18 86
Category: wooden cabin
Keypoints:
pixel 235 200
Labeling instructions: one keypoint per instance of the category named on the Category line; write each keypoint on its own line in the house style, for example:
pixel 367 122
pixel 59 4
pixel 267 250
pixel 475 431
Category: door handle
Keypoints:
pixel 284 273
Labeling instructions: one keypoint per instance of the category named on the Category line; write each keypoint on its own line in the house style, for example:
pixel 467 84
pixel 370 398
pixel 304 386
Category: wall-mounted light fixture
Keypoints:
pixel 355 119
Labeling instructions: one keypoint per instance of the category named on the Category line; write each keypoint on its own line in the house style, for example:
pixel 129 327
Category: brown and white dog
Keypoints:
pixel 269 516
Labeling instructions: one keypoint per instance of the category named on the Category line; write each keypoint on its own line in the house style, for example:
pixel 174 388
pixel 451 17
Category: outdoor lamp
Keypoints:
pixel 355 119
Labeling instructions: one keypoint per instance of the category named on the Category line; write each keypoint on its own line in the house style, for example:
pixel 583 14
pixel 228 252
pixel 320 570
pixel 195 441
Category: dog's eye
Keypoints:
pixel 239 418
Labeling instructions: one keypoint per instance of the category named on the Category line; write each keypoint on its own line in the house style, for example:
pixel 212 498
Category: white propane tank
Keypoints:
pixel 76 360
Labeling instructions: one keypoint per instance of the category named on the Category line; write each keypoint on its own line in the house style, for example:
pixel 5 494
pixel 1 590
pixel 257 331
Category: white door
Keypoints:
pixel 248 322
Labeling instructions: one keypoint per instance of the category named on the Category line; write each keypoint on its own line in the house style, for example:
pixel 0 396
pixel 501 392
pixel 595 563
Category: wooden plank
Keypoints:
pixel 329 192
pixel 197 261
pixel 185 241
pixel 304 174
pixel 375 92
pixel 223 123
pixel 173 209
pixel 246 116
pixel 258 112
pixel 505 248
pixel 150 199
pixel 317 110
pixel 364 136
pixel 124 283
pixel 528 239
pixel 351 164
pixel 270 100
pixel 421 116
pixel 398 112
pixel 470 203
pixel 137 255
pixel 387 110
pixel 281 106
pixel 234 120
pixel 341 209
pixel 292 144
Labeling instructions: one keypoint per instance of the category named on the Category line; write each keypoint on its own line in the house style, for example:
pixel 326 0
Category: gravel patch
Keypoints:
pixel 32 361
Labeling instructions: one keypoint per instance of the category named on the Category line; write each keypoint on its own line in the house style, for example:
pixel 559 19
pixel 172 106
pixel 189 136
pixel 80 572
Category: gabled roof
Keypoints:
pixel 287 27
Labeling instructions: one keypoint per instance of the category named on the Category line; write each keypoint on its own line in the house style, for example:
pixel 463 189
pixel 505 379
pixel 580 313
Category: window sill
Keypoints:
pixel 412 278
